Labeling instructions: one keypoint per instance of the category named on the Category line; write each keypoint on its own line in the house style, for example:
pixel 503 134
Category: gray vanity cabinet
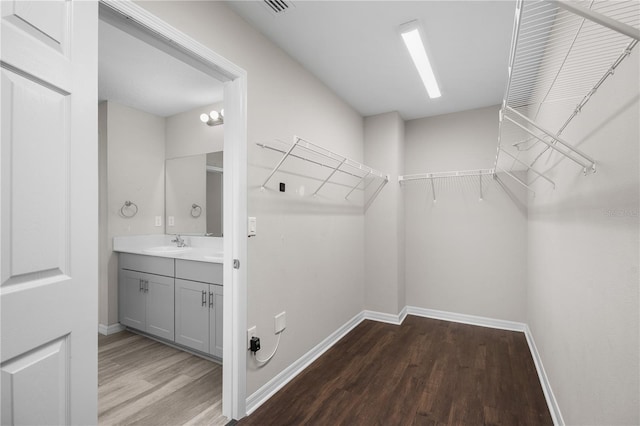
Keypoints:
pixel 198 299
pixel 147 299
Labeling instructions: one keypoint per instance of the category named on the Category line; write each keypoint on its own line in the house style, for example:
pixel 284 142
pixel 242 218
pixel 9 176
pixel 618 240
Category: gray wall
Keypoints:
pixel 308 256
pixel 583 259
pixel 384 229
pixel 463 255
pixel 132 168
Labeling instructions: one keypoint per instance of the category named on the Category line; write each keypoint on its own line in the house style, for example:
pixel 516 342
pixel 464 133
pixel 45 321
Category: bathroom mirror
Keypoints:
pixel 193 194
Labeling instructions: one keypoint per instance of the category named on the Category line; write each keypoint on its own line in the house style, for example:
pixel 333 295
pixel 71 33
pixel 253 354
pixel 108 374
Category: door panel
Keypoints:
pixel 35 178
pixel 192 317
pixel 48 366
pixel 48 212
pixel 160 308
pixel 133 311
pixel 216 317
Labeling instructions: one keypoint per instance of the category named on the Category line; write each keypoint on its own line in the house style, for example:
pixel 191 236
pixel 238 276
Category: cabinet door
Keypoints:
pixel 192 314
pixel 160 306
pixel 133 311
pixel 215 320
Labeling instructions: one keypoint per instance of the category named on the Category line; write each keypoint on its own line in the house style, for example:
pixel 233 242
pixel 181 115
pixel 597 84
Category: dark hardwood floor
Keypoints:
pixel 423 372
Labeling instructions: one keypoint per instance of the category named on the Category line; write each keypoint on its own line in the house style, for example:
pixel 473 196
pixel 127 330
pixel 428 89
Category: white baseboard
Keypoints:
pixel 384 317
pixel 110 329
pixel 554 408
pixel 467 319
pixel 260 396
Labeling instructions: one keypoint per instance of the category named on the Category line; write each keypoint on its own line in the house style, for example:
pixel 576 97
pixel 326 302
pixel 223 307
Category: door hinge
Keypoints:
pixel 236 264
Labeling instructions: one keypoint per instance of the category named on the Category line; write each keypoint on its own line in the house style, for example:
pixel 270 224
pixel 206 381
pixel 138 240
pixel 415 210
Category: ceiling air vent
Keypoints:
pixel 278 7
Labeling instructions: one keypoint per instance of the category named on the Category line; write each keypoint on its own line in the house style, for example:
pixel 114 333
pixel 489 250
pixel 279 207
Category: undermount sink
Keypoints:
pixel 167 249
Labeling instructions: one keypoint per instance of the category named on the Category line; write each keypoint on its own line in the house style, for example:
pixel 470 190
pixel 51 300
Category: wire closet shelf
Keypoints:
pixel 361 177
pixel 561 53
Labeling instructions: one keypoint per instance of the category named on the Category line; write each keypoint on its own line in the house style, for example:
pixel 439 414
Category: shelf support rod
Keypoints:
pixel 284 157
pixel 542 175
pixel 346 197
pixel 601 19
pixel 433 189
pixel 329 177
pixel 552 136
pixel 516 178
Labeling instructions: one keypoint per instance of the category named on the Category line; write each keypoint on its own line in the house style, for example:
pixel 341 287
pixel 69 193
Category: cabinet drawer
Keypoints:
pixel 199 271
pixel 151 264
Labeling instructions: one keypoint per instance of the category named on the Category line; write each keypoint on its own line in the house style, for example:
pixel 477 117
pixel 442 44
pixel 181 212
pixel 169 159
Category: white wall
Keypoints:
pixel 463 255
pixel 384 219
pixel 314 269
pixel 187 135
pixel 134 161
pixel 583 260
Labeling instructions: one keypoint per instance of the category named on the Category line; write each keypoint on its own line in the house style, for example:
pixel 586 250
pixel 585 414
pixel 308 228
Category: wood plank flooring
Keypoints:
pixel 424 372
pixel 144 382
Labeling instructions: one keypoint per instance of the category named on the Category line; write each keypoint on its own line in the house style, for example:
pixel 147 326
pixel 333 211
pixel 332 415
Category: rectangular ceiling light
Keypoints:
pixel 410 33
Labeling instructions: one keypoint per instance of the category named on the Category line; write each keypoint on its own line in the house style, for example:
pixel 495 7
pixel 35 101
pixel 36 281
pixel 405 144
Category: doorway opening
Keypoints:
pixel 125 19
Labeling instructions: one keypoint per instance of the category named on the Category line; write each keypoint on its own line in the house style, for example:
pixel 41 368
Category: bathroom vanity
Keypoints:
pixel 172 293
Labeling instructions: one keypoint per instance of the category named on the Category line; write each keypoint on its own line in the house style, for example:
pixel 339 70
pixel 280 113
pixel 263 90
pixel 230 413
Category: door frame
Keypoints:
pixel 234 193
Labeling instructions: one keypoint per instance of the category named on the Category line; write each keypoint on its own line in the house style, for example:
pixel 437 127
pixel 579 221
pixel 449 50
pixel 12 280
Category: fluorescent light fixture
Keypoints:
pixel 410 33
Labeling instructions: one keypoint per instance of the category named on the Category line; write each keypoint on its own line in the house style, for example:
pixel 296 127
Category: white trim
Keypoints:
pixel 467 319
pixel 384 317
pixel 235 194
pixel 260 396
pixel 552 403
pixel 110 329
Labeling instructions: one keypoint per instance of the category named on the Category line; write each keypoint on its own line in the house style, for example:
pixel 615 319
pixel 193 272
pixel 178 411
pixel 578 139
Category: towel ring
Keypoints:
pixel 126 207
pixel 196 210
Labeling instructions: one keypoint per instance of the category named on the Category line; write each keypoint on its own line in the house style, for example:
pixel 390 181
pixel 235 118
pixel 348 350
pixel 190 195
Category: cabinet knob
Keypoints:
pixel 211 300
pixel 204 298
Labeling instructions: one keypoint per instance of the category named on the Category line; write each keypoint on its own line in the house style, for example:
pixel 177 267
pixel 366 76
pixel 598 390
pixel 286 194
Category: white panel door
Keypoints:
pixel 48 212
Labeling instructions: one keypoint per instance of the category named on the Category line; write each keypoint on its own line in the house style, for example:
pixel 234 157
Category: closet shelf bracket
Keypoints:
pixel 307 151
pixel 588 166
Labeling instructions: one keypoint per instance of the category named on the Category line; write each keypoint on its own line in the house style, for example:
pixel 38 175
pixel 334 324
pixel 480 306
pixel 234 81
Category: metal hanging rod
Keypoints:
pixel 443 175
pixel 305 150
pixel 590 166
pixel 601 19
pixel 440 175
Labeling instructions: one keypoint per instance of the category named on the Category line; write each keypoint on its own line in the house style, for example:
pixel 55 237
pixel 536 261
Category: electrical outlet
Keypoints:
pixel 158 220
pixel 280 322
pixel 252 332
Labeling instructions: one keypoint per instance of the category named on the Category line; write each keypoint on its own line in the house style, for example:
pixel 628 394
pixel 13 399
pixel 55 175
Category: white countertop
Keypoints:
pixel 200 249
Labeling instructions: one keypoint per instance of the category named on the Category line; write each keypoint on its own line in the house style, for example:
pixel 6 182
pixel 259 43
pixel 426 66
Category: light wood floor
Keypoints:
pixel 143 382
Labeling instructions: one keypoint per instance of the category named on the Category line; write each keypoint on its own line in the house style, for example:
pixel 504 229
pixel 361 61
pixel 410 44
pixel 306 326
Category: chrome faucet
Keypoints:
pixel 179 241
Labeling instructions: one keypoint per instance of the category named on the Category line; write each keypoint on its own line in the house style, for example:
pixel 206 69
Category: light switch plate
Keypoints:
pixel 252 226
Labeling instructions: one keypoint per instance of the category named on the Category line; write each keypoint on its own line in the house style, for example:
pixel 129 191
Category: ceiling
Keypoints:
pixel 354 47
pixel 136 74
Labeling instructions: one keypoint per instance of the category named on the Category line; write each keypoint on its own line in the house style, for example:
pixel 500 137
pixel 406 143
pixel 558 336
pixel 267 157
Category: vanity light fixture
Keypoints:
pixel 412 38
pixel 214 118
